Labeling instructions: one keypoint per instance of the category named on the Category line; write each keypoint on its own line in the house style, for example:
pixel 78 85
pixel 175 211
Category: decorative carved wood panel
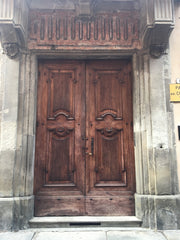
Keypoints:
pixel 84 149
pixel 57 29
pixel 110 185
pixel 59 167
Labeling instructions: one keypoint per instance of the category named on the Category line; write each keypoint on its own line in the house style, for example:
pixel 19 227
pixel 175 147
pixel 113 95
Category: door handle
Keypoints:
pixel 92 146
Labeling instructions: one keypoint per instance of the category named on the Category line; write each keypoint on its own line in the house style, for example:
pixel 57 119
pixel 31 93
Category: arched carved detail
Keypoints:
pixel 67 115
pixel 106 113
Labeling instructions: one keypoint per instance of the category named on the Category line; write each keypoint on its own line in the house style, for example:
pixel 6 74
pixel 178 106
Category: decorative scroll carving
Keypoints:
pixel 11 50
pixel 61 131
pixel 108 123
pixel 109 132
pixel 64 28
pixel 157 50
pixel 61 124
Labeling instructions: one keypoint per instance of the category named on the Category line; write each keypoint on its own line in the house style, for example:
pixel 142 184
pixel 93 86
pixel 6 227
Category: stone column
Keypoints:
pixel 157 198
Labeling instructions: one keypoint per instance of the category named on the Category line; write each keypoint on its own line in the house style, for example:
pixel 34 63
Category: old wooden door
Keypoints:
pixel 84 143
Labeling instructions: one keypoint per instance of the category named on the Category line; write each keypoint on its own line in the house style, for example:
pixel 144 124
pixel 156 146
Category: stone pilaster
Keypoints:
pixel 156 172
pixel 17 142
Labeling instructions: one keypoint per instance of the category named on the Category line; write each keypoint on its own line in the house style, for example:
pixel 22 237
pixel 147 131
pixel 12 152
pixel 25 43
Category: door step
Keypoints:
pixel 84 221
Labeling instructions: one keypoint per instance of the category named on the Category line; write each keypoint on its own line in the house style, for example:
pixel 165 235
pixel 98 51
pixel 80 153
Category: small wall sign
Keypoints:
pixel 174 92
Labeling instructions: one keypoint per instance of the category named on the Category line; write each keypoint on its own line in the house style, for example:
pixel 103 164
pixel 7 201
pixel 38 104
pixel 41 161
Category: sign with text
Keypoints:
pixel 174 92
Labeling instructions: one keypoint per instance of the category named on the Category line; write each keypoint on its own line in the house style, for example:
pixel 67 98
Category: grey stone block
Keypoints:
pixel 16 236
pixel 15 212
pixel 163 173
pixel 158 212
pixel 6 173
pixel 172 235
pixel 149 235
pixel 167 212
pixel 6 214
pixel 71 236
pixel 23 211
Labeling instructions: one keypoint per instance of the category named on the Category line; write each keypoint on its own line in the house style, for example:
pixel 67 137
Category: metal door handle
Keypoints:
pixel 87 153
pixel 92 146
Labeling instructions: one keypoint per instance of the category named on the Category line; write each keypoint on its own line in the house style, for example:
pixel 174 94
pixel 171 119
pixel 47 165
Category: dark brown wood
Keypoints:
pixel 84 144
pixel 60 163
pixel 59 29
pixel 110 170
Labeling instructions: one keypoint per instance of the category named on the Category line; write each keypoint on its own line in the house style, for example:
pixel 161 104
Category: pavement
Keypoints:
pixel 91 234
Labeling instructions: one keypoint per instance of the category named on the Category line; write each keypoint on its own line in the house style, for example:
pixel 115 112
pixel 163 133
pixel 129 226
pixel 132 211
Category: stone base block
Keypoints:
pixel 158 212
pixel 15 212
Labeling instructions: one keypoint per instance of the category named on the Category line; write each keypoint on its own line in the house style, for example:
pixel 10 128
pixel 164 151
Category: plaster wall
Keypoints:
pixel 175 73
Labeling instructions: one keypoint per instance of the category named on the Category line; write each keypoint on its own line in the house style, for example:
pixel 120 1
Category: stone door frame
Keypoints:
pixel 153 186
pixel 157 190
pixel 157 195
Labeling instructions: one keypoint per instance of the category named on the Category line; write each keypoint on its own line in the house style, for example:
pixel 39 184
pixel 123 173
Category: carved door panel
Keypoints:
pixel 110 167
pixel 84 144
pixel 60 164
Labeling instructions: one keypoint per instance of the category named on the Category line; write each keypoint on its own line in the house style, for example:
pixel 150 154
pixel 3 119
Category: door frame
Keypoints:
pixel 34 59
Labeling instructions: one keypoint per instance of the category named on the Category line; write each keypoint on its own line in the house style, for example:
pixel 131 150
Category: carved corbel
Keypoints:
pixel 11 50
pixel 10 41
pixel 13 26
pixel 157 24
pixel 156 51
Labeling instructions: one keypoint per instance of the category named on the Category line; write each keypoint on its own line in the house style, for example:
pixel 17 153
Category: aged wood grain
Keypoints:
pixel 59 28
pixel 109 121
pixel 59 166
pixel 84 143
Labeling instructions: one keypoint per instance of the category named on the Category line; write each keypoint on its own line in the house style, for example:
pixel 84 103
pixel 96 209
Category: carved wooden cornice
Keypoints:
pixel 91 24
pixel 59 29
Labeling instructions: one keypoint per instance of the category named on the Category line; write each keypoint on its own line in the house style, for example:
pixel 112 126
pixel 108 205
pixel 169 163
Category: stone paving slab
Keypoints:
pixel 70 236
pixel 172 235
pixel 149 235
pixel 16 235
pixel 90 234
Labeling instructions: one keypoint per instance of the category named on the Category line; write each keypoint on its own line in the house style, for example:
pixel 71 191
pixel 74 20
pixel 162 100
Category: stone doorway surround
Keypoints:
pixel 157 192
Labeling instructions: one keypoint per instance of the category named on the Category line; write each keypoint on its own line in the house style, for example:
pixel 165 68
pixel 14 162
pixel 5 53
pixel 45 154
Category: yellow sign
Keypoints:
pixel 174 92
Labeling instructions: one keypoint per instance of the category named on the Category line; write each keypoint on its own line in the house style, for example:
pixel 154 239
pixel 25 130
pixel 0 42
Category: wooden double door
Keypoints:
pixel 84 139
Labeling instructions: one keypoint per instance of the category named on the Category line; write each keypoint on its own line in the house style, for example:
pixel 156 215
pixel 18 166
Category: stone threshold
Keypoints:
pixel 84 221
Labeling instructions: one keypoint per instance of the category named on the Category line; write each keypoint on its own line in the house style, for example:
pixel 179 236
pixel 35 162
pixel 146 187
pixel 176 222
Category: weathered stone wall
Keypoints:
pixel 157 186
pixel 175 73
pixel 17 143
